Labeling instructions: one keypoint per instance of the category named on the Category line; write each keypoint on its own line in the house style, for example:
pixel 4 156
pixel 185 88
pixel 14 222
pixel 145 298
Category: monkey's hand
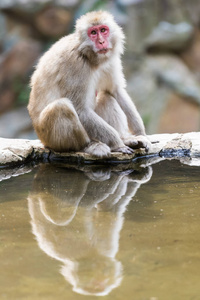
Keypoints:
pixel 137 141
pixel 124 150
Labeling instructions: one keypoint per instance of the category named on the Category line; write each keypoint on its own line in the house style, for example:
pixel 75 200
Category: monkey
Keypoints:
pixel 78 99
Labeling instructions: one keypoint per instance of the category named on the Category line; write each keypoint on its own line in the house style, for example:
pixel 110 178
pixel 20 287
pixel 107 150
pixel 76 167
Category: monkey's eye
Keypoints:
pixel 103 29
pixel 93 32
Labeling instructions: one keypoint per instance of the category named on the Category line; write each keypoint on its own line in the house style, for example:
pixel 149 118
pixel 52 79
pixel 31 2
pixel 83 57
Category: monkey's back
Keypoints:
pixel 61 72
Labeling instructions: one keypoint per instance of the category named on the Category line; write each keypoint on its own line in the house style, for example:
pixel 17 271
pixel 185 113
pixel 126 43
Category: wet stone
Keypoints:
pixel 16 151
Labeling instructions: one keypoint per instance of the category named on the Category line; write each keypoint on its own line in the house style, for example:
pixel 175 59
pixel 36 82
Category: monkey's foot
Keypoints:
pixel 138 141
pixel 98 149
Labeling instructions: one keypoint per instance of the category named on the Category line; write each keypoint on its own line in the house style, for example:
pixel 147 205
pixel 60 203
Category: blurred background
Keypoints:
pixel 161 61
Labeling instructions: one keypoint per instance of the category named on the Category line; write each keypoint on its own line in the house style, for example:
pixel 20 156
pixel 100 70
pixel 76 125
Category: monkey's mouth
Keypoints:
pixel 103 51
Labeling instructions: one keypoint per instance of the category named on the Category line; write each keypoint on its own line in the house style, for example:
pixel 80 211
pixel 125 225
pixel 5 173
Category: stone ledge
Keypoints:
pixel 17 151
pixel 18 157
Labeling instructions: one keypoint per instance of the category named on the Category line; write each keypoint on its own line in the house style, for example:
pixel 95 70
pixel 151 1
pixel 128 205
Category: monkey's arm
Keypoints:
pixel 135 122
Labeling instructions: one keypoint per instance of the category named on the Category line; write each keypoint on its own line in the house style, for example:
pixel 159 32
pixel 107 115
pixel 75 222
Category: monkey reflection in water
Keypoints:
pixel 77 217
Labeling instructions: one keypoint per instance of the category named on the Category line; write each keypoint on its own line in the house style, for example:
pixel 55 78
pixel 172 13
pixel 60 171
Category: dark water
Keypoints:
pixel 129 233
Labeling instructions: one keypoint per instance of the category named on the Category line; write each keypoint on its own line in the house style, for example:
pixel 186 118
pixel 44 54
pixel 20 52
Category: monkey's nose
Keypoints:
pixel 101 42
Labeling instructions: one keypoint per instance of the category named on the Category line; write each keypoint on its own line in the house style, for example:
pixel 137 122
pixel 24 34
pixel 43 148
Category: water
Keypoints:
pixel 118 233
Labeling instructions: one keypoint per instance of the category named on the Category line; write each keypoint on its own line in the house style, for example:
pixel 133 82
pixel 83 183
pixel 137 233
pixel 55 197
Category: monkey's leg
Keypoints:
pixel 61 130
pixel 59 127
pixel 98 129
pixel 109 110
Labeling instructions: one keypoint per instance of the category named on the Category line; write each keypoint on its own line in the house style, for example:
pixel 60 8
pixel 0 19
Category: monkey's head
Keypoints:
pixel 99 34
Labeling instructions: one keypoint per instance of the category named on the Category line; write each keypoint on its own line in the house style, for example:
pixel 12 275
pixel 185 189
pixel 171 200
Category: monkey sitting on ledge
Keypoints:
pixel 78 99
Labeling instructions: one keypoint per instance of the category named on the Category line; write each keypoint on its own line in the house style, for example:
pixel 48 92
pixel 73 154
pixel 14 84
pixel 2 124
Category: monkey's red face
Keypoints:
pixel 99 36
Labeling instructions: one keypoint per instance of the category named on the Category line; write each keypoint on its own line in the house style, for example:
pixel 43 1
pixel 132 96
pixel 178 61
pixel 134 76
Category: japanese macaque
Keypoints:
pixel 78 100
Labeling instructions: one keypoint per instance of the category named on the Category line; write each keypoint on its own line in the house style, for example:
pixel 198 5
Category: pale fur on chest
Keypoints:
pixel 107 78
pixel 101 80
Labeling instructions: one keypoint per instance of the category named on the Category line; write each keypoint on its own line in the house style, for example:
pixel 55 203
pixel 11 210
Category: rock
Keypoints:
pixel 142 18
pixel 179 115
pixel 31 7
pixel 67 3
pixel 21 123
pixel 143 88
pixel 191 55
pixel 171 37
pixel 16 32
pixel 53 21
pixel 20 156
pixel 145 15
pixel 13 65
pixel 192 9
pixel 2 30
pixel 158 80
pixel 7 98
pixel 177 146
pixel 172 72
pixel 16 151
pixel 13 151
pixel 195 138
pixel 14 70
pixel 23 5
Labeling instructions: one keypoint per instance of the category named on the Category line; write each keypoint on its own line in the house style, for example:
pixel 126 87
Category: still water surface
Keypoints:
pixel 119 234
